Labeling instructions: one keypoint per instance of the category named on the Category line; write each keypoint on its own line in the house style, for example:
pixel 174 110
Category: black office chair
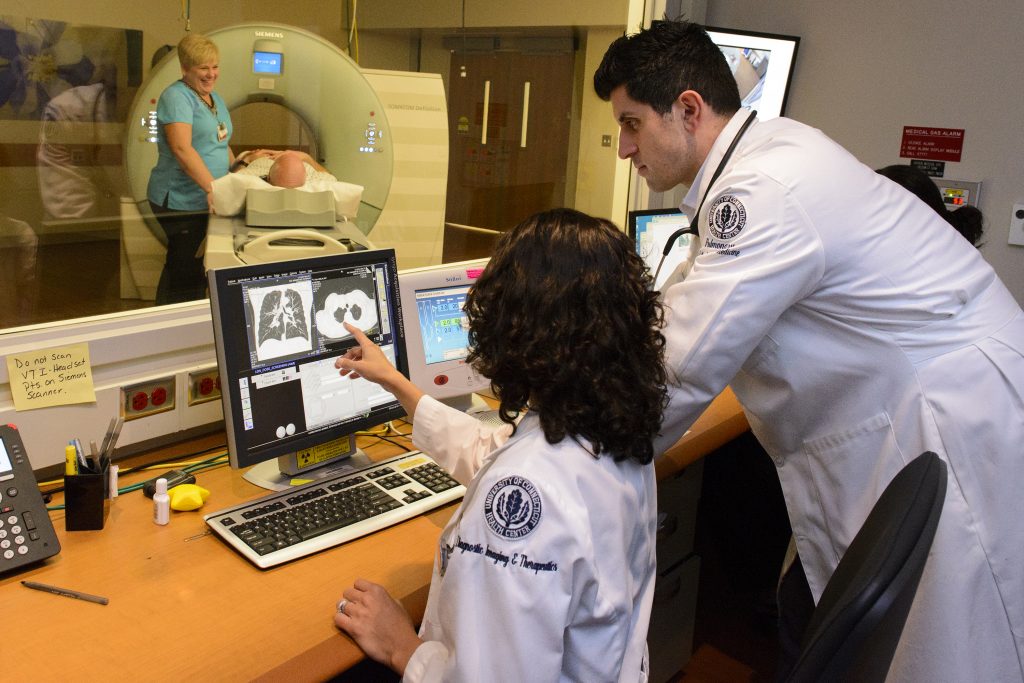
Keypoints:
pixel 856 625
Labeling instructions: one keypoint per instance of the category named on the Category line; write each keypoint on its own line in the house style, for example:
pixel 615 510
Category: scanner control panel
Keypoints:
pixel 26 533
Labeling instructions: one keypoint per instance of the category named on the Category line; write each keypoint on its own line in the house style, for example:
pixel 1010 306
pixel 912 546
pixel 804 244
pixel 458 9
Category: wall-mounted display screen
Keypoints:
pixel 763 66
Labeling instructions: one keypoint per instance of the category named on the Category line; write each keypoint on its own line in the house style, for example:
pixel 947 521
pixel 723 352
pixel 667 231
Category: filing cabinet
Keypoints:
pixel 670 638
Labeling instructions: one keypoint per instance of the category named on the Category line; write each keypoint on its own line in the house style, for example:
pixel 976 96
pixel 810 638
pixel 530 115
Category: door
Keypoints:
pixel 509 136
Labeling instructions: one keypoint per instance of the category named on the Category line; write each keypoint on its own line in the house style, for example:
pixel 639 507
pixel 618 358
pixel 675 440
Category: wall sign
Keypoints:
pixel 935 169
pixel 938 144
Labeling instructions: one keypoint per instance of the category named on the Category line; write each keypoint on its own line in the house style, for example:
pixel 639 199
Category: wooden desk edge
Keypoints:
pixel 336 655
pixel 722 422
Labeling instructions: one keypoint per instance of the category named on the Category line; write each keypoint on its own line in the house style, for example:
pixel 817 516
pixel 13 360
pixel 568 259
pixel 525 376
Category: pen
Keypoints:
pixel 94 457
pixel 114 436
pixel 83 464
pixel 106 439
pixel 66 592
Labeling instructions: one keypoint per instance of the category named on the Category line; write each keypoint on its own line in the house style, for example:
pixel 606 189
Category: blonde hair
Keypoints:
pixel 195 49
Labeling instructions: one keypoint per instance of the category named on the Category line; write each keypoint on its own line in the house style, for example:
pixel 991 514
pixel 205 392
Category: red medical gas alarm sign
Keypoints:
pixel 938 144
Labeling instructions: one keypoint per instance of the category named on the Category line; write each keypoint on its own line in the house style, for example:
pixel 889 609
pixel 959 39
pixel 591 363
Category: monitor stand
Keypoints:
pixel 475 405
pixel 327 460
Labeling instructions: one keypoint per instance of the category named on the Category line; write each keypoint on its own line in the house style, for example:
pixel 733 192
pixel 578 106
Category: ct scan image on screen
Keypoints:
pixel 279 315
pixel 345 300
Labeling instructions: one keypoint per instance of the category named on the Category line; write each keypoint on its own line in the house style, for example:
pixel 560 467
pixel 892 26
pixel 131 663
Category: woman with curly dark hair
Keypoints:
pixel 546 571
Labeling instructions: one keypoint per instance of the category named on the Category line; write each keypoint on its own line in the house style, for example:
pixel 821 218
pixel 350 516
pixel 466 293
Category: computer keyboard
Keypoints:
pixel 299 521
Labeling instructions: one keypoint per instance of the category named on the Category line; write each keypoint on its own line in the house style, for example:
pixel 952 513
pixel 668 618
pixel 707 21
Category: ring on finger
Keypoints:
pixel 341 605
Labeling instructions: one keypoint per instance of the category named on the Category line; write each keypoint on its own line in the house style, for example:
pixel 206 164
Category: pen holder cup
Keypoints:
pixel 86 500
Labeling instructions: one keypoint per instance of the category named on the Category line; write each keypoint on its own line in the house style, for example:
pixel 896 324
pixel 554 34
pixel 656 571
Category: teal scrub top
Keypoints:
pixel 179 104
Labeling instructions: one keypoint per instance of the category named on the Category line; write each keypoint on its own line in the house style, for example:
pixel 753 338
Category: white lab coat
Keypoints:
pixel 561 591
pixel 858 329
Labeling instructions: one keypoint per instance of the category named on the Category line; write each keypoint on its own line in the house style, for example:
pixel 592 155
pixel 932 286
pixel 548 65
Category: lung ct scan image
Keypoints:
pixel 282 322
pixel 345 300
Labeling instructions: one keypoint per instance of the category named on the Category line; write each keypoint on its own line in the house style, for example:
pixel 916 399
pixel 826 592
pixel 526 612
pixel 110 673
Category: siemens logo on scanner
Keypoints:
pixel 268 34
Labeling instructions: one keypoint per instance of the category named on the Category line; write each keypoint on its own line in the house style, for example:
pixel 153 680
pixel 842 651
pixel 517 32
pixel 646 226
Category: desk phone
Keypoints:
pixel 26 533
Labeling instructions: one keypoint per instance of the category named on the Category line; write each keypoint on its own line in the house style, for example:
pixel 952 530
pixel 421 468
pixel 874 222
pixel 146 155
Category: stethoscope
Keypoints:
pixel 689 229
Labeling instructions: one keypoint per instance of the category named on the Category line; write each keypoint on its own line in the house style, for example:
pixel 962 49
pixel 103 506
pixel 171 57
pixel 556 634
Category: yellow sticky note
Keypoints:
pixel 51 377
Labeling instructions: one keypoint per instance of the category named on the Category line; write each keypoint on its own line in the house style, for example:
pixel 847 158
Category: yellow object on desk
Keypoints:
pixel 186 497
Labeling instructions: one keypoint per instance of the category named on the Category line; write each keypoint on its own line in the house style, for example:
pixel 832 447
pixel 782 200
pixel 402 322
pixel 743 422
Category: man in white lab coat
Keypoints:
pixel 857 329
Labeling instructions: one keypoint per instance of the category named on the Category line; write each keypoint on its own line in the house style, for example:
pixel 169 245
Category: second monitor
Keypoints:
pixel 650 230
pixel 437 332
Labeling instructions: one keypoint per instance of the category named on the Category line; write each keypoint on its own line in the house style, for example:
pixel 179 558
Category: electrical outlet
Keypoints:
pixel 147 398
pixel 203 385
pixel 1017 225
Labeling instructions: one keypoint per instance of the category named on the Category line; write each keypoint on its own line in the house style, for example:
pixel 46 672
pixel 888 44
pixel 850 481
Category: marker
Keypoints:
pixel 70 461
pixel 66 592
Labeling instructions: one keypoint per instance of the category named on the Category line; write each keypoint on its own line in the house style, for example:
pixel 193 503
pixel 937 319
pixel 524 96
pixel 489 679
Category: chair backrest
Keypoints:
pixel 853 632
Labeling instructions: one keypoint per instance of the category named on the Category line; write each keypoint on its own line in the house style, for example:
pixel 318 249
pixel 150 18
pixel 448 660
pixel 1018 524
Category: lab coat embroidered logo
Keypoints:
pixel 727 217
pixel 512 507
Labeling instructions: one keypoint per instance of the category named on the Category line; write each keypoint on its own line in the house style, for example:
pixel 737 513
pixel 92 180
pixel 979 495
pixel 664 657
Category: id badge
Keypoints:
pixel 222 131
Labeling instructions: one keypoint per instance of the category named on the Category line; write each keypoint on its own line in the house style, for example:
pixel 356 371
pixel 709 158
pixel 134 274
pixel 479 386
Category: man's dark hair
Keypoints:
pixel 658 63
pixel 967 220
pixel 564 322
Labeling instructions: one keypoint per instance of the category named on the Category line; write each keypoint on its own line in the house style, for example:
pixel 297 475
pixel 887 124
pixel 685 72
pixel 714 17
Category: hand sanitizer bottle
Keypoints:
pixel 161 503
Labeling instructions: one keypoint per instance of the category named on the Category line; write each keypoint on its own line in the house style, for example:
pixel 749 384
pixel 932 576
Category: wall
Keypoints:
pixel 864 70
pixel 162 24
pixel 415 14
pixel 599 166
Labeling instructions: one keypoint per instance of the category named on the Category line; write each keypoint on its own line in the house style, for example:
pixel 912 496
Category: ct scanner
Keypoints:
pixel 328 91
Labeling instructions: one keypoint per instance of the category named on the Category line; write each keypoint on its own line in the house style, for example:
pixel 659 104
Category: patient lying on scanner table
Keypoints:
pixel 281 168
pixel 273 170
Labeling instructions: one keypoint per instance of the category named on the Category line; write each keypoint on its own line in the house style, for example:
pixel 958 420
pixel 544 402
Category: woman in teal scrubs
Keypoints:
pixel 193 131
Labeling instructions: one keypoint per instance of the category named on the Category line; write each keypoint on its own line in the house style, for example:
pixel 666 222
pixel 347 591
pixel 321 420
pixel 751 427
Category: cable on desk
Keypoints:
pixel 395 443
pixel 191 466
pixel 159 463
pixel 389 429
pixel 218 460
pixel 171 459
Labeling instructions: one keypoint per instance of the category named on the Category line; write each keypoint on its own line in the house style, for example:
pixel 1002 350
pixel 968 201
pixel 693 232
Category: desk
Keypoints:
pixel 722 422
pixel 185 609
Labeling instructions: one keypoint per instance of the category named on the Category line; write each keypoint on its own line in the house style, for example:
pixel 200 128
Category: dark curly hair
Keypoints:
pixel 564 321
pixel 664 60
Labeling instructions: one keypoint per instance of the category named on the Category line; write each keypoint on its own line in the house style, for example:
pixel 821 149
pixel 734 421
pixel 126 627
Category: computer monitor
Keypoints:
pixel 278 331
pixel 650 230
pixel 437 333
pixel 763 66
